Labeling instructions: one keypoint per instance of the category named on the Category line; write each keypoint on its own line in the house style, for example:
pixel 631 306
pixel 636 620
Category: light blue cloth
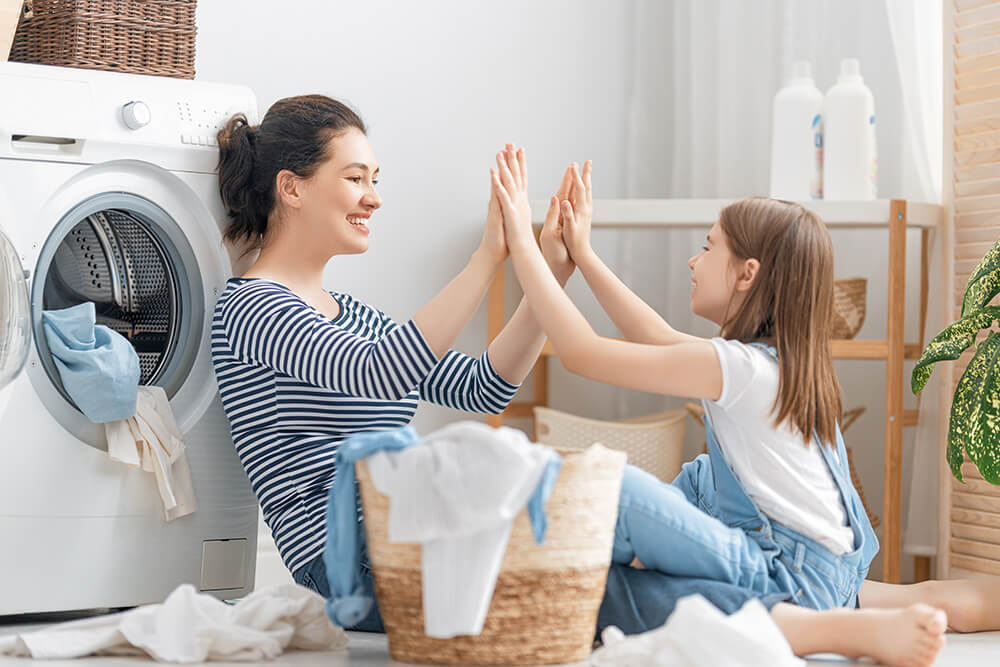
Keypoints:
pixel 98 367
pixel 349 601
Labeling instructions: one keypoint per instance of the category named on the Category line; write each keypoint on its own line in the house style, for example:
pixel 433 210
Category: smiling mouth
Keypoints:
pixel 357 221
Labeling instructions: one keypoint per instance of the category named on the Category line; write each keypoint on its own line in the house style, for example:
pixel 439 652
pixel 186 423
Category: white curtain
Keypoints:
pixel 916 28
pixel 703 78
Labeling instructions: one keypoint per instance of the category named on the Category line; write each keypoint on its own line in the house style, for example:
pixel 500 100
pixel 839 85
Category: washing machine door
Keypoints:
pixel 15 315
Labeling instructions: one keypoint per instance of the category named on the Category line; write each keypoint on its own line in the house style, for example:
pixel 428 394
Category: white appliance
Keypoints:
pixel 108 193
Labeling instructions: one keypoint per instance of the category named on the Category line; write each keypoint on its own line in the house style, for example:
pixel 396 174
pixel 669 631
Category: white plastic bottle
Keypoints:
pixel 797 138
pixel 850 159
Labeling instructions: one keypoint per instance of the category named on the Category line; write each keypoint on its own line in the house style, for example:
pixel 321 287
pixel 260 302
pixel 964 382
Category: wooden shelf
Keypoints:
pixel 841 349
pixel 695 213
pixel 895 217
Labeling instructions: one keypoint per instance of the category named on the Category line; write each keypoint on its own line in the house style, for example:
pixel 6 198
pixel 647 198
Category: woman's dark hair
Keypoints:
pixel 294 135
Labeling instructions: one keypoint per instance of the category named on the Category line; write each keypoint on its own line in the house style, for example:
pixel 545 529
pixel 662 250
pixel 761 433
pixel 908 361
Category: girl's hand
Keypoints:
pixel 576 212
pixel 510 181
pixel 551 239
pixel 494 243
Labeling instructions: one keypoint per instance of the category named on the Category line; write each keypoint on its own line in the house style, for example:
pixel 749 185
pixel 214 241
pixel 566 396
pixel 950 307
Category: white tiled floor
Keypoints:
pixel 369 650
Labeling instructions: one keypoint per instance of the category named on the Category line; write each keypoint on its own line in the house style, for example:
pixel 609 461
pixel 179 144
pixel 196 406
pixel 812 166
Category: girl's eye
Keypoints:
pixel 374 181
pixel 356 179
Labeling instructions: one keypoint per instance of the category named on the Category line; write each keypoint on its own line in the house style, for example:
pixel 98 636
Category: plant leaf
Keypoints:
pixel 975 413
pixel 984 282
pixel 951 343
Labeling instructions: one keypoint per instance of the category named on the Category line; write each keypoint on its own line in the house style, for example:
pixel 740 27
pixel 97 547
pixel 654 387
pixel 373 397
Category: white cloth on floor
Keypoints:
pixel 697 634
pixel 152 440
pixel 457 493
pixel 193 627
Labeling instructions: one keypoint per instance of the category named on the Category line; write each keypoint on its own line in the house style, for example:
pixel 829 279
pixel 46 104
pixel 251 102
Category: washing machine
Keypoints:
pixel 108 193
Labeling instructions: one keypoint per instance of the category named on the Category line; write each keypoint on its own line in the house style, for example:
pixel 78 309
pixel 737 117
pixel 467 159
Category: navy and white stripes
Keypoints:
pixel 295 384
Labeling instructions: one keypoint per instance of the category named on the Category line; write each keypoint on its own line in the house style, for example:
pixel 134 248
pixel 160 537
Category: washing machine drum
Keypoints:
pixel 114 260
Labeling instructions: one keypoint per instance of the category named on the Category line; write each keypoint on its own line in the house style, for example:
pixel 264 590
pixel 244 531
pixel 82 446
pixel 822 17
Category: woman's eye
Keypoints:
pixel 704 248
pixel 374 181
pixel 356 179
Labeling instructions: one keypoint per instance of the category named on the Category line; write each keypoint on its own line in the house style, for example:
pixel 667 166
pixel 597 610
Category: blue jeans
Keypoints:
pixel 313 576
pixel 704 526
pixel 635 600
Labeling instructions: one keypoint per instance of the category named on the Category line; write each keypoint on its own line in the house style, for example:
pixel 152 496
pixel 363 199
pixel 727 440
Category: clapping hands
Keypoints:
pixel 566 232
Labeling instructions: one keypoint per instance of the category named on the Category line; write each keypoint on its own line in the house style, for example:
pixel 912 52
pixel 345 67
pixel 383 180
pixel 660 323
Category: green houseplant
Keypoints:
pixel 974 426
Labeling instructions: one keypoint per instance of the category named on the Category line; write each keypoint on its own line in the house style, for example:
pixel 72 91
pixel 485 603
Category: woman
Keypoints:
pixel 300 368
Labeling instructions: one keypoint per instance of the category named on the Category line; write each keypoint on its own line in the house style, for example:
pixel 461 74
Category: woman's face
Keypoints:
pixel 339 199
pixel 713 278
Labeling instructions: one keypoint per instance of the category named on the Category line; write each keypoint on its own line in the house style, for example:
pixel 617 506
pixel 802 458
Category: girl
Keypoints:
pixel 770 508
pixel 300 368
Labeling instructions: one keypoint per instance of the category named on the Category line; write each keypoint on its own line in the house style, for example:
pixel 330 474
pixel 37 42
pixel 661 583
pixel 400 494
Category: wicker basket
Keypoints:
pixel 848 307
pixel 544 607
pixel 137 36
pixel 654 443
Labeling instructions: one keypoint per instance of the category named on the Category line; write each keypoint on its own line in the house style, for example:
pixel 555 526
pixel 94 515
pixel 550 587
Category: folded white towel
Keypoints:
pixel 152 440
pixel 194 627
pixel 696 634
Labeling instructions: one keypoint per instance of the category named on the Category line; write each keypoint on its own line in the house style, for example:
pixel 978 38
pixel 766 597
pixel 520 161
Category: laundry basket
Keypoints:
pixel 544 606
pixel 138 36
pixel 654 442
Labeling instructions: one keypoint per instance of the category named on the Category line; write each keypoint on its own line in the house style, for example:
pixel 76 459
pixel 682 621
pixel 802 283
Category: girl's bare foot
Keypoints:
pixel 972 605
pixel 911 636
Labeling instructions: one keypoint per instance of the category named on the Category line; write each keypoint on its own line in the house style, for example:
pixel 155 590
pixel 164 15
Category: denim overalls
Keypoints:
pixel 704 525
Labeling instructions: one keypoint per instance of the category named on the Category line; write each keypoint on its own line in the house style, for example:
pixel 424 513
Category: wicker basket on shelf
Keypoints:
pixel 137 36
pixel 849 305
pixel 654 442
pixel 544 606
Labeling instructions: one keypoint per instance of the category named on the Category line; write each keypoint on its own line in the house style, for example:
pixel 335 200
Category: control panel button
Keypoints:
pixel 136 115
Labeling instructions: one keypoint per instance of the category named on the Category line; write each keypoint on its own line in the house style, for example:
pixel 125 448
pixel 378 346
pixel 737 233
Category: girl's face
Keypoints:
pixel 340 197
pixel 714 279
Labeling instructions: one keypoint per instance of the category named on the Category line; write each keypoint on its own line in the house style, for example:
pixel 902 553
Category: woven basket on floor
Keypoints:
pixel 544 607
pixel 137 36
pixel 849 306
pixel 654 443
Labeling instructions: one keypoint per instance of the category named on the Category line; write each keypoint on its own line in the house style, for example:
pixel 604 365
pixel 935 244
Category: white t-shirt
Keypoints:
pixel 787 479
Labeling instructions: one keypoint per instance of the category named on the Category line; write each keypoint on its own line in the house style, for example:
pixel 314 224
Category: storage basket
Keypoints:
pixel 654 442
pixel 137 36
pixel 849 307
pixel 544 606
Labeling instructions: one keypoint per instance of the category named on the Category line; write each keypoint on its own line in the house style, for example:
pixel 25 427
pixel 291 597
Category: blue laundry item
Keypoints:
pixel 98 367
pixel 536 503
pixel 350 601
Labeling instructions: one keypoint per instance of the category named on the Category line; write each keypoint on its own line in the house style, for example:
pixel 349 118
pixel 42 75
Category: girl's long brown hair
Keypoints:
pixel 789 304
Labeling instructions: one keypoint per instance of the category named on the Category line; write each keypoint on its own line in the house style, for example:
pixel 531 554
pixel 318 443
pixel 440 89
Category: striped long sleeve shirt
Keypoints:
pixel 294 384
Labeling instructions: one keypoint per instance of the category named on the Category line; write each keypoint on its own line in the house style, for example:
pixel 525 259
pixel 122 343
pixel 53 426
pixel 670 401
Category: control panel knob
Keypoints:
pixel 136 115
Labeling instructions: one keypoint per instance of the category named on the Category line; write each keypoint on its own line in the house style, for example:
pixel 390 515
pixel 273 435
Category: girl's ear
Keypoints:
pixel 286 188
pixel 748 273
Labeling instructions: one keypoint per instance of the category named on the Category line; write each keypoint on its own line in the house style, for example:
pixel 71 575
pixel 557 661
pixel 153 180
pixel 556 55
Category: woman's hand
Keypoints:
pixel 551 239
pixel 494 243
pixel 576 212
pixel 510 183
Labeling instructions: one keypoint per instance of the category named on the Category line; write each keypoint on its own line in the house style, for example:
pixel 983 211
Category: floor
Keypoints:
pixel 368 650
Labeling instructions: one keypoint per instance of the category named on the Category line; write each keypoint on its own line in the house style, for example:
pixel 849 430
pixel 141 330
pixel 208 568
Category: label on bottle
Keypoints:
pixel 874 173
pixel 816 181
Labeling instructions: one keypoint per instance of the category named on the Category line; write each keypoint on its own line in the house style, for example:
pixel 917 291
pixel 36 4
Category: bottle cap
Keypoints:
pixel 850 69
